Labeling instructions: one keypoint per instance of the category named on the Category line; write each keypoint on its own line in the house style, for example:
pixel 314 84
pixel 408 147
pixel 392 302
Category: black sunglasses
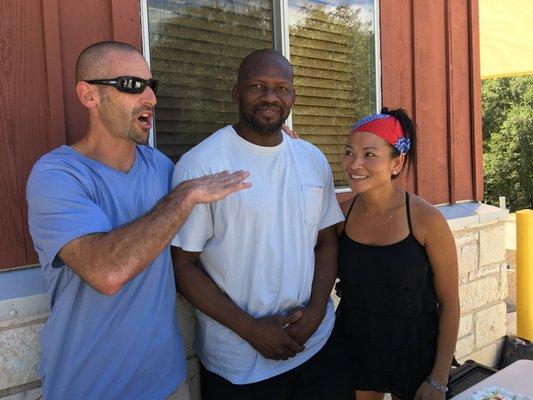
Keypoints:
pixel 127 84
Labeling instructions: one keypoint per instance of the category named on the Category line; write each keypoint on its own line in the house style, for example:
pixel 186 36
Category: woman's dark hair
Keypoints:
pixel 409 128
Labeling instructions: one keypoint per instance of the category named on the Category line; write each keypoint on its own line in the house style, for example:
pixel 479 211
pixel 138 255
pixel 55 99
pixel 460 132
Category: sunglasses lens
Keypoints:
pixel 131 85
pixel 153 84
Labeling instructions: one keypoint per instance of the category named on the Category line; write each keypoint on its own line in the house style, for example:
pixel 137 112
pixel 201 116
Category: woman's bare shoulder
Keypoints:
pixel 425 217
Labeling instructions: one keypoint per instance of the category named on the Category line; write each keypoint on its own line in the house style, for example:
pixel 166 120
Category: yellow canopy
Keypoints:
pixel 506 37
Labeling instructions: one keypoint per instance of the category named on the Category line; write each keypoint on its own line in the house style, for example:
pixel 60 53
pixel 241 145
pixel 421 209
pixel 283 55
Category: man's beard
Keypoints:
pixel 260 127
pixel 136 136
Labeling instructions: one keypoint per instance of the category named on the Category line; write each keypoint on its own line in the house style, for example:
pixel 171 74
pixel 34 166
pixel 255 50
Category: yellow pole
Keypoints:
pixel 524 274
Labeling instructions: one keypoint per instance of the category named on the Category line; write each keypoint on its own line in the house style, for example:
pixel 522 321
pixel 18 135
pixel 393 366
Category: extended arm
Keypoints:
pixel 323 280
pixel 266 335
pixel 107 261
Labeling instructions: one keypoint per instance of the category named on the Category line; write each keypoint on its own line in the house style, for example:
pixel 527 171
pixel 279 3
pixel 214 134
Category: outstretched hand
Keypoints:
pixel 213 187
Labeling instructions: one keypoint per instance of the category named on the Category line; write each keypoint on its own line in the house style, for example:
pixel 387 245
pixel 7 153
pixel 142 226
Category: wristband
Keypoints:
pixel 436 385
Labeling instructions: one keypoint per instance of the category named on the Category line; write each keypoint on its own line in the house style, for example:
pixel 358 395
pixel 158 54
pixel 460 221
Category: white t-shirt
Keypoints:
pixel 258 244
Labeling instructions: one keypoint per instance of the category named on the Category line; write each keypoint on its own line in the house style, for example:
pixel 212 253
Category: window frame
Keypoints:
pixel 281 43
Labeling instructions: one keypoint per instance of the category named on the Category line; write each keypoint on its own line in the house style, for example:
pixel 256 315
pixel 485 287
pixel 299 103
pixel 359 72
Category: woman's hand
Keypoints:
pixel 428 392
pixel 289 132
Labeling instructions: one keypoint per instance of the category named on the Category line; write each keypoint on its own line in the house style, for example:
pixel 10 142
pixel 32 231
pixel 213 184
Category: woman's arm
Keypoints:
pixel 442 254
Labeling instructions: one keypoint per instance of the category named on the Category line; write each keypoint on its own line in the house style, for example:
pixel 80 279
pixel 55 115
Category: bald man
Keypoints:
pixel 101 215
pixel 260 265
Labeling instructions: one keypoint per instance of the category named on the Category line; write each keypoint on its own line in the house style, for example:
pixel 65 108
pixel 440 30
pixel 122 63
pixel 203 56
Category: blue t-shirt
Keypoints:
pixel 93 346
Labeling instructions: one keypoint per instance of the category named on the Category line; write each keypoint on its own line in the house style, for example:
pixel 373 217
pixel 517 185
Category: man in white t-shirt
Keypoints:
pixel 260 265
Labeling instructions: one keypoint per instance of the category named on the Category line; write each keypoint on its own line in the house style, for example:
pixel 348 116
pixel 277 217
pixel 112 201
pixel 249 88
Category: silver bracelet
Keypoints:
pixel 436 385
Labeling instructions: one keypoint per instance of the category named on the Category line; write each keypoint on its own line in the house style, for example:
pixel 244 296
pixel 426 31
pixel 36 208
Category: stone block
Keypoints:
pixel 488 356
pixel 465 236
pixel 463 278
pixel 492 244
pixel 510 233
pixel 510 323
pixel 467 256
pixel 459 218
pixel 510 257
pixel 486 213
pixel 484 271
pixel 19 351
pixel 465 346
pixel 511 287
pixel 187 323
pixel 479 293
pixel 503 282
pixel 489 325
pixel 465 325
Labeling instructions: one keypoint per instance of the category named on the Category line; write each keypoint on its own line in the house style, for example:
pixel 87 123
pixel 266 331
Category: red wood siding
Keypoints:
pixel 29 126
pixel 430 66
pixel 109 20
pixel 40 41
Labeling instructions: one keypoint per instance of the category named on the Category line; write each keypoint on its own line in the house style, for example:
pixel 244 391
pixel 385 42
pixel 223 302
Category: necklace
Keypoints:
pixel 387 220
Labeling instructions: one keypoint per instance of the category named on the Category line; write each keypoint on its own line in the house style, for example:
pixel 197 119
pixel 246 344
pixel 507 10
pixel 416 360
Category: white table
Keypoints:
pixel 517 378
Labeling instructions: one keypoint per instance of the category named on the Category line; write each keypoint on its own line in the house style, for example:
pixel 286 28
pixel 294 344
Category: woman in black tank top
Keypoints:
pixel 398 271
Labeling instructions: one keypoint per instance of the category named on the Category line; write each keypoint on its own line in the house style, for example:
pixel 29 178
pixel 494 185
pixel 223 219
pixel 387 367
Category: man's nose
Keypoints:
pixel 149 96
pixel 269 94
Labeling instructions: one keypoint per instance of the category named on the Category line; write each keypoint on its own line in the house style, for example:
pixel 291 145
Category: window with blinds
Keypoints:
pixel 196 48
pixel 332 52
pixel 195 51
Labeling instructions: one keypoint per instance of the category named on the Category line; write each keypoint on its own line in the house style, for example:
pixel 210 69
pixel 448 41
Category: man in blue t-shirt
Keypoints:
pixel 101 215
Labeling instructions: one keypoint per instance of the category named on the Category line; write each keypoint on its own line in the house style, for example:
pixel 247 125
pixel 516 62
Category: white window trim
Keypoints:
pixel 377 55
pixel 145 36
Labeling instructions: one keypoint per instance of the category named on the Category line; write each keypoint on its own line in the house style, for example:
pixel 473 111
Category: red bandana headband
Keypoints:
pixel 386 127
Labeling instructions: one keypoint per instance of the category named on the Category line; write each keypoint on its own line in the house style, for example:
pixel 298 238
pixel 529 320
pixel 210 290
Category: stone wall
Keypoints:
pixel 479 234
pixel 19 357
pixel 482 285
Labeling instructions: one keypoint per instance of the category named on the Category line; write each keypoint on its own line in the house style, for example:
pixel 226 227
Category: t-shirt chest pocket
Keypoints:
pixel 312 198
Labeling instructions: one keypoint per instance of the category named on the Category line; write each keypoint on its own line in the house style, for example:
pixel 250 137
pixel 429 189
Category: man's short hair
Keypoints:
pixel 250 57
pixel 92 61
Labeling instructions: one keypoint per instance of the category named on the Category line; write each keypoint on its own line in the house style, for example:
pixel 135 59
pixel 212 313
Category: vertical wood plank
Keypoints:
pixel 430 100
pixel 126 22
pixel 23 135
pixel 475 99
pixel 56 131
pixel 12 250
pixel 449 94
pixel 396 65
pixel 460 104
pixel 74 37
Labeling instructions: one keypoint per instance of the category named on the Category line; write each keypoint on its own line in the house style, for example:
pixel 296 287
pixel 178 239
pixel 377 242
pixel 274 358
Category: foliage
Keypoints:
pixel 508 140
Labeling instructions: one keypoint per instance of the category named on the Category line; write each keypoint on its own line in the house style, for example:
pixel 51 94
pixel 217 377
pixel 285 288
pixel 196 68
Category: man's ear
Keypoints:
pixel 293 96
pixel 235 94
pixel 87 94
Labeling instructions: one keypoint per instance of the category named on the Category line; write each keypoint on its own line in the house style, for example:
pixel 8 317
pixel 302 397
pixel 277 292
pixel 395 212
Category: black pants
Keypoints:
pixel 325 376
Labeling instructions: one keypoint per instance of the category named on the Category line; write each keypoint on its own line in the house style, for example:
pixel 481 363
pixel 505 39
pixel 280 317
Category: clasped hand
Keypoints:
pixel 280 337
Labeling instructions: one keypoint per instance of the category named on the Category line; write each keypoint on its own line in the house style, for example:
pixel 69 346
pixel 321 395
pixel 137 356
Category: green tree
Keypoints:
pixel 508 140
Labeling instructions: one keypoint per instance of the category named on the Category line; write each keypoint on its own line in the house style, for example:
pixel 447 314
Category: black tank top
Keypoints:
pixel 388 311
